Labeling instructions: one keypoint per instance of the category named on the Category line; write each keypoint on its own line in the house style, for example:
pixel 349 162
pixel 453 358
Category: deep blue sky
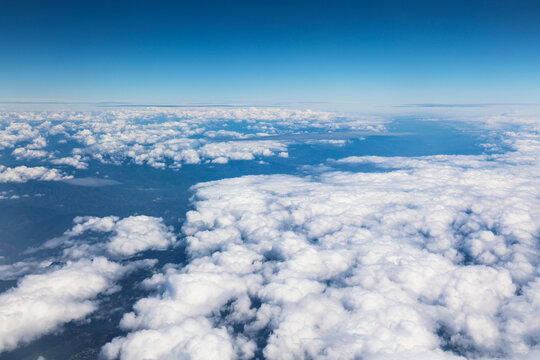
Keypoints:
pixel 365 52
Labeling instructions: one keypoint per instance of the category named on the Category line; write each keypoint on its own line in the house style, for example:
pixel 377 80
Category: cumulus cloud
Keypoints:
pixel 221 152
pixel 41 303
pixel 22 174
pixel 161 147
pixel 24 153
pixel 165 137
pixel 54 294
pixel 139 233
pixel 75 161
pixel 194 339
pixel 129 236
pixel 16 132
pixel 434 258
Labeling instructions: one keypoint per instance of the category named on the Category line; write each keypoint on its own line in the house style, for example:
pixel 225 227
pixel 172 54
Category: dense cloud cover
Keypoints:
pixel 436 259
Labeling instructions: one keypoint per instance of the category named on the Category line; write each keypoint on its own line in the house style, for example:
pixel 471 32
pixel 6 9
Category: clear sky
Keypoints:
pixel 365 52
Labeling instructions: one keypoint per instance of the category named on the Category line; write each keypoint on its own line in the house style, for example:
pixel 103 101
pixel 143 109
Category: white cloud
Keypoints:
pixel 194 339
pixel 15 270
pixel 140 233
pixel 21 174
pixel 54 295
pixel 241 150
pixel 437 259
pixel 24 153
pixel 75 161
pixel 167 137
pixel 224 134
pixel 170 146
pixel 91 223
pixel 129 236
pixel 38 142
pixel 15 133
pixel 41 303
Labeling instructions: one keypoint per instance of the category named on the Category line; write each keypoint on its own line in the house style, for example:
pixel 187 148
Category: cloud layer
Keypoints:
pixel 431 257
pixel 436 259
pixel 163 137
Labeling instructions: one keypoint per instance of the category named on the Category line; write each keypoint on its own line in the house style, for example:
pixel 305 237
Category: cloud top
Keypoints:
pixel 435 259
pixel 40 303
pixel 22 174
pixel 65 287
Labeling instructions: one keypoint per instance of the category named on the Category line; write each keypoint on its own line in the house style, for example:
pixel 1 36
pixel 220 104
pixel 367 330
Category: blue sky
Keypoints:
pixel 361 52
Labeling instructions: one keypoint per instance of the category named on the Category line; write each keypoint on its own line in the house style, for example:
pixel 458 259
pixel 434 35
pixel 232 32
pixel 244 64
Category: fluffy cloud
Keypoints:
pixel 194 339
pixel 166 144
pixel 434 258
pixel 165 137
pixel 241 150
pixel 129 236
pixel 75 161
pixel 16 132
pixel 41 303
pixel 139 233
pixel 21 174
pixel 54 295
pixel 24 153
pixel 15 270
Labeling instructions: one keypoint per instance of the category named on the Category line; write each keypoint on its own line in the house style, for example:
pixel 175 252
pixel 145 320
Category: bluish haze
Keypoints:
pixel 344 52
